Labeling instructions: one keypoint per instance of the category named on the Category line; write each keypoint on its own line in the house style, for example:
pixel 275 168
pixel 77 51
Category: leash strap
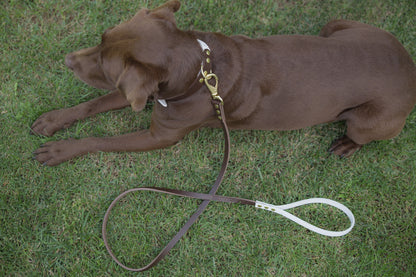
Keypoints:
pixel 211 82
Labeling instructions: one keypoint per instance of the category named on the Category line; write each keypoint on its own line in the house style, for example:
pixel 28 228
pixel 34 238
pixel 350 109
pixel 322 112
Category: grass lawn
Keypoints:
pixel 50 219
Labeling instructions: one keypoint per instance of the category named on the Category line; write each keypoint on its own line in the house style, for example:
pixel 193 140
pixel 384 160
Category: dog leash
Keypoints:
pixel 218 104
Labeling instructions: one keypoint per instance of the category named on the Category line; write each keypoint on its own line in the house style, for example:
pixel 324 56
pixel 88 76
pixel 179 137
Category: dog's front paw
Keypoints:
pixel 48 123
pixel 55 152
pixel 344 147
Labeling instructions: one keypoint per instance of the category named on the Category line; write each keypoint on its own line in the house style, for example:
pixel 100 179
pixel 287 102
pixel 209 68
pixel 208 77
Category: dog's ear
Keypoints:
pixel 137 85
pixel 166 11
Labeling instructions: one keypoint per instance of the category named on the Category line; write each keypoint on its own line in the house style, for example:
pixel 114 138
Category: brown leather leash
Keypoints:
pixel 205 197
pixel 208 77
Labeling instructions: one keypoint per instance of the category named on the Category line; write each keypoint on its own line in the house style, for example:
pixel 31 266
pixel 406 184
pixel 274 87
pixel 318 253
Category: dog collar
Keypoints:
pixel 203 45
pixel 162 102
pixel 205 65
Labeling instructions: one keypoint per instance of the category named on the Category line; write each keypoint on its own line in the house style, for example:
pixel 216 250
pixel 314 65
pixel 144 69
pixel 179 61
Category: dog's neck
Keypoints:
pixel 196 84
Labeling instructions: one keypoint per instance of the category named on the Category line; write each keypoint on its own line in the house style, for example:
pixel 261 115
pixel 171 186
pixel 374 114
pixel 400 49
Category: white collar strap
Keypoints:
pixel 204 47
pixel 162 102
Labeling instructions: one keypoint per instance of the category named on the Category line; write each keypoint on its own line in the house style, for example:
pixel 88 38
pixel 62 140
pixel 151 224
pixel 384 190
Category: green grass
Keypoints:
pixel 50 219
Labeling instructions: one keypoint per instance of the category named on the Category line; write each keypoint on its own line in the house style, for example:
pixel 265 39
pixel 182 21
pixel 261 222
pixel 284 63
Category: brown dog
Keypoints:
pixel 351 72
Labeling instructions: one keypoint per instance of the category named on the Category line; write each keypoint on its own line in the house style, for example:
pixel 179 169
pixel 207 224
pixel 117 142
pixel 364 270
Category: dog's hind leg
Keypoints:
pixel 366 123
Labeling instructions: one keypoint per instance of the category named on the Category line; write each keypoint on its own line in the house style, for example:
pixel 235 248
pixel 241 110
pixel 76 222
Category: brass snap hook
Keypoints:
pixel 212 88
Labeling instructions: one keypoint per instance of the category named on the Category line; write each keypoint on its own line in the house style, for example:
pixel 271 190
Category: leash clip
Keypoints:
pixel 212 88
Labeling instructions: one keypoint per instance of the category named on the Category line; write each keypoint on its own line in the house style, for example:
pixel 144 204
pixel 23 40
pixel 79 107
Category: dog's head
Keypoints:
pixel 132 56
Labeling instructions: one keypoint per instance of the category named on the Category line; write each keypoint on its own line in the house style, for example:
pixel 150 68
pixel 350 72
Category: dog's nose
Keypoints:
pixel 69 61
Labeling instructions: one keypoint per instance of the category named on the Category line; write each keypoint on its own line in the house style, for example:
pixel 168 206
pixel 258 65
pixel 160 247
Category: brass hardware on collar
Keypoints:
pixel 210 78
pixel 212 88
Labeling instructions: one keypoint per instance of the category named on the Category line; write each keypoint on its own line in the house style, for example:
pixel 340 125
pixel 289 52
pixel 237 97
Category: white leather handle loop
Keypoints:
pixel 281 210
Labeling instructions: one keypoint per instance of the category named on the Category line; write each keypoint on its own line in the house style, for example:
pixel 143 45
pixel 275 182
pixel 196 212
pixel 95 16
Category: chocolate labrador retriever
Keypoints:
pixel 351 72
